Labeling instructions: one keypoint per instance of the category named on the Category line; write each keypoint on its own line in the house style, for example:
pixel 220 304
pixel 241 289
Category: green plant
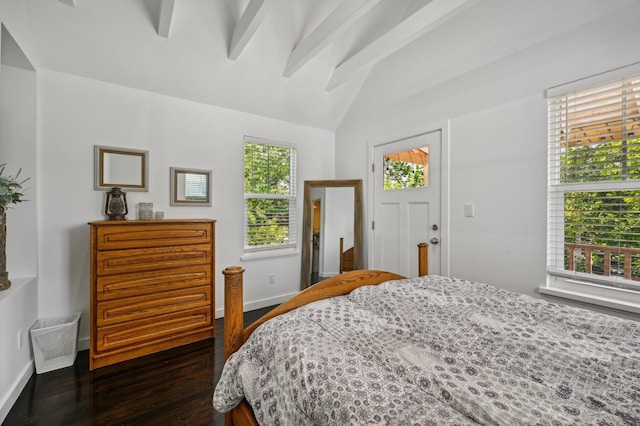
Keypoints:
pixel 10 188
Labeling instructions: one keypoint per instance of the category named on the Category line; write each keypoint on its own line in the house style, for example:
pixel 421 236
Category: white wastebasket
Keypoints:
pixel 55 342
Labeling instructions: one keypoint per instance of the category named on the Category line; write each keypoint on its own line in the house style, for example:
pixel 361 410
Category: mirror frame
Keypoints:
pixel 99 183
pixel 175 171
pixel 307 230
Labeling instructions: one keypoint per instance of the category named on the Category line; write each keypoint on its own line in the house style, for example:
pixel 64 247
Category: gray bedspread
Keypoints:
pixel 437 350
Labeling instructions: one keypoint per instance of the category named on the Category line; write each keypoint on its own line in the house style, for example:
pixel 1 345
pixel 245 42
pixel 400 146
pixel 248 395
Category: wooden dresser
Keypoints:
pixel 152 286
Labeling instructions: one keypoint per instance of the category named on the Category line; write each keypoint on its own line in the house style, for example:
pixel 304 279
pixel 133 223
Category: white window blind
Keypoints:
pixel 269 196
pixel 196 186
pixel 594 185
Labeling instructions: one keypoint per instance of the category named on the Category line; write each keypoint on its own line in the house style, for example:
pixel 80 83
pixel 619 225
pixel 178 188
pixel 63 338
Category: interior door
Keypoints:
pixel 407 211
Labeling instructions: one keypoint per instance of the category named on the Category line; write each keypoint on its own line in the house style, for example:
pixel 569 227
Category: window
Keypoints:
pixel 407 169
pixel 269 195
pixel 594 190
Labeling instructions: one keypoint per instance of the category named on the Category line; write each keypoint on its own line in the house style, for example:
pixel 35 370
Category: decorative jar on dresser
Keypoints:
pixel 152 286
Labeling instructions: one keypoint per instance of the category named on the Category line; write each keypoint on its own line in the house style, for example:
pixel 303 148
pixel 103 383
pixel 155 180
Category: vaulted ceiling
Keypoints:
pixel 314 62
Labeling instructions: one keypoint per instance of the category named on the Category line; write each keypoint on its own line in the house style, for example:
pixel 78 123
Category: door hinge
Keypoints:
pixel 373 167
pixel 373 225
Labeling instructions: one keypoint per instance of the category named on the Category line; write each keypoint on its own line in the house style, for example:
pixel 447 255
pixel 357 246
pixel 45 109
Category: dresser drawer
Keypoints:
pixel 152 235
pixel 152 305
pixel 110 287
pixel 135 334
pixel 149 259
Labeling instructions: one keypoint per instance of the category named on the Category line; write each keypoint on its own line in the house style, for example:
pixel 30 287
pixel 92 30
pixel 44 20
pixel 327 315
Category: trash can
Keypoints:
pixel 55 342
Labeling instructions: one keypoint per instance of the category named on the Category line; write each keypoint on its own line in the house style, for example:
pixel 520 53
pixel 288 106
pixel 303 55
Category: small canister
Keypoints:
pixel 145 211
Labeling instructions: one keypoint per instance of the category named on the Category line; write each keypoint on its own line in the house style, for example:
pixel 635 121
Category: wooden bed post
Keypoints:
pixel 233 315
pixel 341 255
pixel 423 259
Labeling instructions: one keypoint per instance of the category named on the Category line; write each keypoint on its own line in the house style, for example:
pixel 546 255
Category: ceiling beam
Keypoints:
pixel 166 15
pixel 419 23
pixel 249 22
pixel 340 19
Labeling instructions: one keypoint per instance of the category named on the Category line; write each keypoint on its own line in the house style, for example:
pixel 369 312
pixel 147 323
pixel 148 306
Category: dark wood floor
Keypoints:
pixel 173 387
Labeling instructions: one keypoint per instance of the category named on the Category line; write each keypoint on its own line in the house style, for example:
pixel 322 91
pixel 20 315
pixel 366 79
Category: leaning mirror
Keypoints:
pixel 190 187
pixel 332 229
pixel 121 168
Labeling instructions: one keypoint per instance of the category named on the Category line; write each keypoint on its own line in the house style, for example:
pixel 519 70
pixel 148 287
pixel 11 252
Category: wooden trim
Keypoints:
pixel 423 259
pixel 148 222
pixel 346 258
pixel 335 286
pixel 307 224
pixel 233 310
pixel 242 415
pixel 93 296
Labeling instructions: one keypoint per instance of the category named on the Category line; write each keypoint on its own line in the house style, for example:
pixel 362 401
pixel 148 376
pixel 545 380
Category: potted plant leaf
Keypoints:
pixel 11 192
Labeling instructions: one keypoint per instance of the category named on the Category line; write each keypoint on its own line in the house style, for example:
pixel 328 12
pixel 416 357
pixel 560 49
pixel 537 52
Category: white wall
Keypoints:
pixel 78 113
pixel 502 170
pixel 18 145
pixel 496 115
pixel 18 312
pixel 18 304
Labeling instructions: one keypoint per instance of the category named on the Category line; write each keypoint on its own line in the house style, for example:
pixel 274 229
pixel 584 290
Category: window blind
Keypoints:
pixel 594 183
pixel 270 196
pixel 196 186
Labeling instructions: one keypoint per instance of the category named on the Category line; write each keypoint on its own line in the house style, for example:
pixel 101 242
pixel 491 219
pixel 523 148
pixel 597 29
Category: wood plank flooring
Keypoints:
pixel 173 387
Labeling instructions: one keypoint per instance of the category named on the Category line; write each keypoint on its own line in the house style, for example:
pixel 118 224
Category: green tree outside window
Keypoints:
pixel 270 198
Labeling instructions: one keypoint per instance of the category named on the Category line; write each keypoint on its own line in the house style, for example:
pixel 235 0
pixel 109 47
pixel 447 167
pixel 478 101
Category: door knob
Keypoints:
pixel 434 241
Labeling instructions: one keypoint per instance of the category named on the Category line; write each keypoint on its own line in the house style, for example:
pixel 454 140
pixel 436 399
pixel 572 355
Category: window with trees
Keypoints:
pixel 269 195
pixel 594 188
pixel 407 169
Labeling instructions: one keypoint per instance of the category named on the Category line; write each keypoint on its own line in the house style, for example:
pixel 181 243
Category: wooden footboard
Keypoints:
pixel 235 334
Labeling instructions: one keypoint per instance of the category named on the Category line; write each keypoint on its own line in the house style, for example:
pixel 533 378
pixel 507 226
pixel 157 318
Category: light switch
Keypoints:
pixel 468 210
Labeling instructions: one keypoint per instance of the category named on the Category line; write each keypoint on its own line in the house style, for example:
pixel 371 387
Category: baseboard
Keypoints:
pixel 83 344
pixel 258 304
pixel 12 395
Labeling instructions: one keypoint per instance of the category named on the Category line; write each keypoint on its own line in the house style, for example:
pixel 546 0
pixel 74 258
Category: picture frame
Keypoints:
pixel 191 187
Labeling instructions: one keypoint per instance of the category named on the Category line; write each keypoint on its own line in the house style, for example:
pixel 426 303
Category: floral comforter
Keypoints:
pixel 436 350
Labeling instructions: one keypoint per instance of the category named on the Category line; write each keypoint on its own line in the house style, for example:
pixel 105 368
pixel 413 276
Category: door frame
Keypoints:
pixel 445 196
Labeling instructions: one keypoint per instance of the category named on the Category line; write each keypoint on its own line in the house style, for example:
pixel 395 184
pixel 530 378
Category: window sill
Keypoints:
pixel 265 254
pixel 609 301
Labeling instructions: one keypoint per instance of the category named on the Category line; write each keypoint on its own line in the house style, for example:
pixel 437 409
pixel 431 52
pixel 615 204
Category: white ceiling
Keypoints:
pixel 313 62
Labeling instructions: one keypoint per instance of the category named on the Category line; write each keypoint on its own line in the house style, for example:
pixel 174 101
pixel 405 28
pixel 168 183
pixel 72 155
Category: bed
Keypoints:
pixel 346 257
pixel 374 347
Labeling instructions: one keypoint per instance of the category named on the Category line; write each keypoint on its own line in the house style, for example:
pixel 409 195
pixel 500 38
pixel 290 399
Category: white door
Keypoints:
pixel 409 214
